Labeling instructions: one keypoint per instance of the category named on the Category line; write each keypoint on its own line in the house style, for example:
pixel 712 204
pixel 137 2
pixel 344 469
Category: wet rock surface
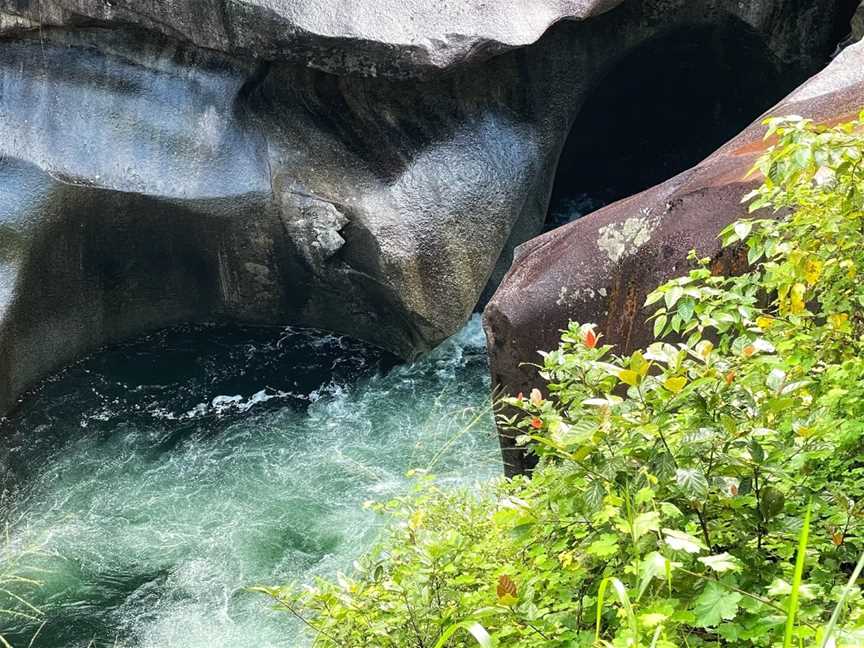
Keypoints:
pixel 366 168
pixel 600 268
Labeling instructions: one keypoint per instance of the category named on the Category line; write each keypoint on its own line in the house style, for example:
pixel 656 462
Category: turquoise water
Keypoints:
pixel 156 481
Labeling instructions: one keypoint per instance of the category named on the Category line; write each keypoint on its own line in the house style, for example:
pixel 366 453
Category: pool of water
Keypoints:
pixel 147 486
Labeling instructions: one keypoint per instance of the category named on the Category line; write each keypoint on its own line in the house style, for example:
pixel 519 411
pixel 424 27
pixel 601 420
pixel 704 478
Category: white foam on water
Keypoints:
pixel 158 546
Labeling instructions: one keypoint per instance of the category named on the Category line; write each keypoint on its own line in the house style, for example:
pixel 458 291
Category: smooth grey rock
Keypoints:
pixel 858 24
pixel 173 161
pixel 389 37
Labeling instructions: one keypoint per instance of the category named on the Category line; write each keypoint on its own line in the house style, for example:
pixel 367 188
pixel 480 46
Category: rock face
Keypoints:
pixel 386 37
pixel 600 268
pixel 365 167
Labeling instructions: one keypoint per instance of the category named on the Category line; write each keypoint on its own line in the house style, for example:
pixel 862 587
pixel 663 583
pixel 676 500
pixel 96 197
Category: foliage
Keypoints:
pixel 707 490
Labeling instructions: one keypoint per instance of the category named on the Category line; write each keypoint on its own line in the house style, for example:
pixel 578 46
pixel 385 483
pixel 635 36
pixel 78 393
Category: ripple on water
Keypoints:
pixel 160 478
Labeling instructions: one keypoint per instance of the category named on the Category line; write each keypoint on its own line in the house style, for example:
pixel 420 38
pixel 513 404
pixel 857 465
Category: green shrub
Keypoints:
pixel 675 484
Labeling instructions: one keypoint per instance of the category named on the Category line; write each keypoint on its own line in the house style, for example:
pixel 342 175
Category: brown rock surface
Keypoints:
pixel 600 268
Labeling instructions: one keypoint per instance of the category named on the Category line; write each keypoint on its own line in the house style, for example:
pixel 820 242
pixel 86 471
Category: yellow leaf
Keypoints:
pixel 704 349
pixel 652 619
pixel 416 520
pixel 804 432
pixel 675 385
pixel 813 270
pixel 764 322
pixel 838 321
pixel 629 377
pixel 797 300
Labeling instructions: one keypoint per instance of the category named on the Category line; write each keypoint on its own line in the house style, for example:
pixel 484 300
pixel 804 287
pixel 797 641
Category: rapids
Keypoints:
pixel 148 485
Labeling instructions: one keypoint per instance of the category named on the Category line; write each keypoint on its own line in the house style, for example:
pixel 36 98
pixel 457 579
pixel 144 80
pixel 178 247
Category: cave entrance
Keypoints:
pixel 661 109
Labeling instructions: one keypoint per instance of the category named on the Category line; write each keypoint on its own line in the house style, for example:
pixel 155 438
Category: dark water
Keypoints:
pixel 147 486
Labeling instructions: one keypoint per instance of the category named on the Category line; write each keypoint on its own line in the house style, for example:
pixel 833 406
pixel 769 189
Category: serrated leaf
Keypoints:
pixel 692 481
pixel 645 523
pixel 714 605
pixel 681 541
pixel 720 562
pixel 606 545
pixel 593 497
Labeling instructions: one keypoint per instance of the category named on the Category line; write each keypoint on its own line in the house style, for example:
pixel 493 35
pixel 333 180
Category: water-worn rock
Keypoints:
pixel 390 37
pixel 365 167
pixel 600 268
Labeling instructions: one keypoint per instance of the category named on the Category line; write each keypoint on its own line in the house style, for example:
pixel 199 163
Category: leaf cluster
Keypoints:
pixel 676 483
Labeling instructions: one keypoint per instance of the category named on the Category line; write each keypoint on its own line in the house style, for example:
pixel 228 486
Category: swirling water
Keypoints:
pixel 157 480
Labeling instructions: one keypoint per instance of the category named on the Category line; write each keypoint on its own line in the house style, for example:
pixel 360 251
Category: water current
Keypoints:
pixel 147 486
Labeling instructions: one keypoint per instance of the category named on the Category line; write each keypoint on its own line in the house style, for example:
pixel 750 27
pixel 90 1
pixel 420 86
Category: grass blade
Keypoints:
pixel 473 628
pixel 796 579
pixel 835 616
pixel 624 599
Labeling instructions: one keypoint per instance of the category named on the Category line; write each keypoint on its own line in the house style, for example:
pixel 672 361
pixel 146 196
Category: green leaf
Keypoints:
pixel 720 562
pixel 673 295
pixel 715 604
pixel 771 502
pixel 692 481
pixel 680 541
pixel 659 325
pixel 685 308
pixel 742 229
pixel 792 611
pixel 645 523
pixel 628 377
pixel 652 566
pixel 481 636
pixel 606 545
pixel 623 598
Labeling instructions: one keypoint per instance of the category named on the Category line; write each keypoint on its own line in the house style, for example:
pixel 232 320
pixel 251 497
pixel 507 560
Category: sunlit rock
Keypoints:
pixel 363 167
pixel 599 269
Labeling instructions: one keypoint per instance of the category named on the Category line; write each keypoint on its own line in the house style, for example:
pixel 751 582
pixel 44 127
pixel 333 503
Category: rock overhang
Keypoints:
pixel 393 38
pixel 371 198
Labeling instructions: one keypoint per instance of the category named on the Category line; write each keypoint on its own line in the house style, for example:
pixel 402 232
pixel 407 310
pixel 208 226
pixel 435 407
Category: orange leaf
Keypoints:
pixel 590 339
pixel 506 587
pixel 536 423
pixel 730 377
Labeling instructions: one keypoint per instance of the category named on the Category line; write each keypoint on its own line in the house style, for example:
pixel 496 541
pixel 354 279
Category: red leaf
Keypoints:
pixel 590 338
pixel 536 423
pixel 506 586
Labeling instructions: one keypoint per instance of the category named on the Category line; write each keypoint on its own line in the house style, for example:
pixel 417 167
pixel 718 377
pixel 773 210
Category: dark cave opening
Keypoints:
pixel 661 109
